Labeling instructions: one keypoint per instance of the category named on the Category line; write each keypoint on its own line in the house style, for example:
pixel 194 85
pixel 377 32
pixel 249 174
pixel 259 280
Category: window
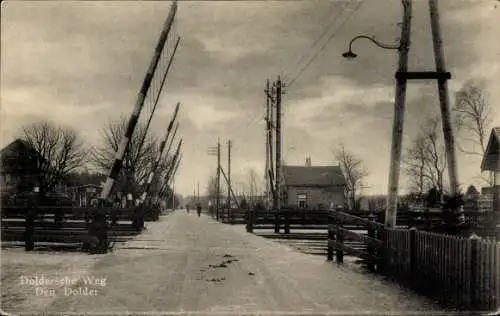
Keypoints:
pixel 302 200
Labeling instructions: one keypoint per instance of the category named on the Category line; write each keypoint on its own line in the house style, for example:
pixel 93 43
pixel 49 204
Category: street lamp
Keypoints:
pixel 402 75
pixel 351 55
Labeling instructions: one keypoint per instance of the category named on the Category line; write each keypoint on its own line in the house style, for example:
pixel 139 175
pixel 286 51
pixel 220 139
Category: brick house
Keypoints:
pixel 313 187
pixel 20 167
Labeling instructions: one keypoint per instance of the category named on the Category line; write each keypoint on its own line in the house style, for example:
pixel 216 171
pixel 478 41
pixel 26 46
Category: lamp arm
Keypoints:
pixel 374 41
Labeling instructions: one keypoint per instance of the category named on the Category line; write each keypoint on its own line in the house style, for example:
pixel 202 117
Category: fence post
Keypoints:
pixel 249 220
pixel 135 218
pixel 98 231
pixel 413 256
pixel 276 222
pixel 382 252
pixel 371 249
pixel 29 232
pixel 474 273
pixel 339 238
pixel 157 212
pixel 330 240
pixel 287 222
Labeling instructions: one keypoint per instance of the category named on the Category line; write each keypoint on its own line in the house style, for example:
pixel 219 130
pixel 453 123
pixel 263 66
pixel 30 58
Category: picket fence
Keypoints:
pixel 460 272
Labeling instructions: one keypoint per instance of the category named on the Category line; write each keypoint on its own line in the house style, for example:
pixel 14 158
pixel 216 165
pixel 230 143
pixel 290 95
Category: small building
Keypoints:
pixel 472 193
pixel 20 167
pixel 491 162
pixel 491 158
pixel 313 187
pixel 84 193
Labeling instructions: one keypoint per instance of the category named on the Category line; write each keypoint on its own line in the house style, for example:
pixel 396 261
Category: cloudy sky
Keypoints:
pixel 82 64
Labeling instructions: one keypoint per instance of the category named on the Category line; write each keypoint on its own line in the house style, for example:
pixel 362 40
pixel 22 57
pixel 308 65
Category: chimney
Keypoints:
pixel 308 161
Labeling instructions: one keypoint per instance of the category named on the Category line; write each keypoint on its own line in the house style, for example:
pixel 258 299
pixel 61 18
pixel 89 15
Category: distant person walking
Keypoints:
pixel 198 209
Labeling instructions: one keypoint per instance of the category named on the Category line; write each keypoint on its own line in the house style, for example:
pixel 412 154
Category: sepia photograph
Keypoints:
pixel 250 157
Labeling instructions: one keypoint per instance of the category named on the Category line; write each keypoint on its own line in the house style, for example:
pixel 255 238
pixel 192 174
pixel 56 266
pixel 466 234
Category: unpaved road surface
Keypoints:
pixel 186 263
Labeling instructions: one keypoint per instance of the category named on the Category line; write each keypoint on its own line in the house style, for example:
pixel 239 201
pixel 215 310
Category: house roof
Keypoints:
pixel 313 176
pixel 16 154
pixel 492 153
pixel 16 146
pixel 471 190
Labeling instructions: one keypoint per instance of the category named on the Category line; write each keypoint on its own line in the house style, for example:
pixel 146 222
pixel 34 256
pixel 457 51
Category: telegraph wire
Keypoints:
pixel 324 32
pixel 303 69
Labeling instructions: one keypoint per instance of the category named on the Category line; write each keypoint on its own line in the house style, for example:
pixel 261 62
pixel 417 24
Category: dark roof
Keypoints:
pixel 492 154
pixel 19 155
pixel 17 146
pixel 313 176
pixel 471 190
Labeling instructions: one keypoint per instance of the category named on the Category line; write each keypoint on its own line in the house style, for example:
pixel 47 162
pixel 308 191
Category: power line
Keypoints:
pixel 325 30
pixel 324 45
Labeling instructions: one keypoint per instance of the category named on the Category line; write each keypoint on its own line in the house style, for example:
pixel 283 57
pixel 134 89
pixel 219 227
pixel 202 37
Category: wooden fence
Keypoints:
pixel 424 219
pixel 94 228
pixel 460 272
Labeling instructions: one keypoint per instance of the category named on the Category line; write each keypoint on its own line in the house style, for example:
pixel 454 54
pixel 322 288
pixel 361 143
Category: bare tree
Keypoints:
pixel 425 160
pixel 60 148
pixel 211 189
pixel 137 164
pixel 473 120
pixel 252 184
pixel 162 175
pixel 376 202
pixel 354 173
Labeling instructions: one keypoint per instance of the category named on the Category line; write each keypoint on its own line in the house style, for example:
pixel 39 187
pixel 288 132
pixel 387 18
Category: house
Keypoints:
pixel 20 167
pixel 313 187
pixel 491 158
pixel 83 193
pixel 491 162
pixel 472 194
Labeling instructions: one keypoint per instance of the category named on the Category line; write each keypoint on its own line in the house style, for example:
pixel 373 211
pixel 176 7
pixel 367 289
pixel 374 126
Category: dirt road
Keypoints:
pixel 186 263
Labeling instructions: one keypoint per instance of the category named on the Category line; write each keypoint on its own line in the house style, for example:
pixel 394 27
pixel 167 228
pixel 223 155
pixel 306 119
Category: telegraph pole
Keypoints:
pixel 272 126
pixel 398 123
pixel 217 204
pixel 268 130
pixel 444 103
pixel 229 174
pixel 277 198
